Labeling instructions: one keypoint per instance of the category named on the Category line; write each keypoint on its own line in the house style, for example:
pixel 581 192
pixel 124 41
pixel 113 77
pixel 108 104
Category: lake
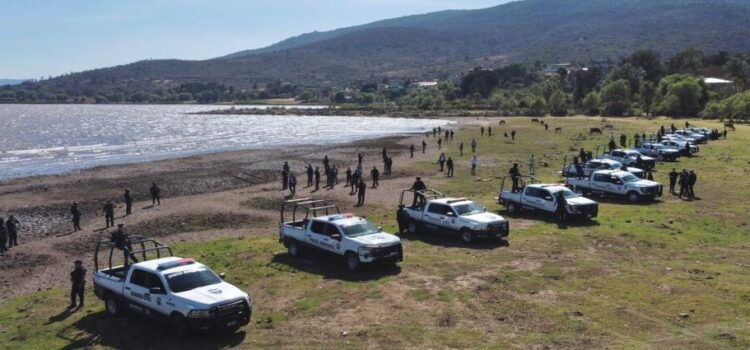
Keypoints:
pixel 54 139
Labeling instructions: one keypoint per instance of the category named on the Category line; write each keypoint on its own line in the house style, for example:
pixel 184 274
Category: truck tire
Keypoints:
pixel 112 306
pixel 633 197
pixel 294 249
pixel 352 262
pixel 413 227
pixel 467 236
pixel 513 208
pixel 179 324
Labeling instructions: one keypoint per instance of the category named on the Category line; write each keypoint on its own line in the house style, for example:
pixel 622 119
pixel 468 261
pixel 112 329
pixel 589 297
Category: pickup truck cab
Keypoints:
pixel 183 291
pixel 454 216
pixel 658 151
pixel 685 148
pixel 618 183
pixel 543 198
pixel 687 134
pixel 600 164
pixel 345 235
pixel 629 157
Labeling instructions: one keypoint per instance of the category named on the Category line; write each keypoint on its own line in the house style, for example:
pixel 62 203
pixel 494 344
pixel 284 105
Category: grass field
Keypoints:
pixel 672 274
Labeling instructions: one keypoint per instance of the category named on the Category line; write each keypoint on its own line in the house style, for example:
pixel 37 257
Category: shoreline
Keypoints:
pixel 327 111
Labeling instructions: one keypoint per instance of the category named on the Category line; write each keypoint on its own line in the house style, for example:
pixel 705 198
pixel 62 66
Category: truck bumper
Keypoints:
pixel 228 321
pixel 385 255
pixel 496 232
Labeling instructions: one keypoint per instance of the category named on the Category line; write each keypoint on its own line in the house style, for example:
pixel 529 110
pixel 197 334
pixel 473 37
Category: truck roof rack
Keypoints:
pixel 308 205
pixel 524 180
pixel 427 194
pixel 141 246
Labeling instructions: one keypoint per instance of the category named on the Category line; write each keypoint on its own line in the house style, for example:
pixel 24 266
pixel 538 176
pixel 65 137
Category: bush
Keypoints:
pixel 591 104
pixel 615 98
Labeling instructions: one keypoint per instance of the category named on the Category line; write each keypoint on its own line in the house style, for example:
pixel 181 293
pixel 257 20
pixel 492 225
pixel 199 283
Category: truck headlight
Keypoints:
pixel 644 189
pixel 481 227
pixel 573 209
pixel 199 314
pixel 365 251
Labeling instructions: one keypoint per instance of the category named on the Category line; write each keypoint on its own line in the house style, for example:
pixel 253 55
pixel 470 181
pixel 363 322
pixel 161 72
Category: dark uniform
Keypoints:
pixel 416 187
pixel 389 166
pixel 515 175
pixel 77 284
pixel 692 178
pixel 513 135
pixel 489 131
pixel 461 149
pixel 292 184
pixel 349 177
pixel 401 218
pixel 612 145
pixel 155 194
pixel 309 175
pixel 76 213
pixel 560 210
pixel 3 237
pixel 128 202
pixel 441 161
pixel 375 173
pixel 122 242
pixel 11 225
pixel 109 214
pixel 362 187
pixel 482 130
pixel 360 156
pixel 440 143
pixel 424 146
pixel 623 141
pixel 449 164
pixel 411 151
pixel 317 178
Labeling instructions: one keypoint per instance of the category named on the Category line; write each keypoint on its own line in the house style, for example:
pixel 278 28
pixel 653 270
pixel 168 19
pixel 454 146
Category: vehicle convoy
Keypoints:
pixel 600 164
pixel 354 238
pixel 658 151
pixel 687 135
pixel 543 198
pixel 618 183
pixel 685 148
pixel 453 216
pixel 629 157
pixel 183 291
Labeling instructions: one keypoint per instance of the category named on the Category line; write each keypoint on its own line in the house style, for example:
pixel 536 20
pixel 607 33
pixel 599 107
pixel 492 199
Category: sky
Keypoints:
pixel 41 38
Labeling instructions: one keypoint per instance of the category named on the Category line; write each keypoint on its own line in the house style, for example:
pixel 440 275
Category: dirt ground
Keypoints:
pixel 197 194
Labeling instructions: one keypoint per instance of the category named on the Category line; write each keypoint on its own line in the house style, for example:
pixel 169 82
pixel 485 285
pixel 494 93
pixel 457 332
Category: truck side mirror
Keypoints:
pixel 336 236
pixel 380 228
pixel 156 290
pixel 222 275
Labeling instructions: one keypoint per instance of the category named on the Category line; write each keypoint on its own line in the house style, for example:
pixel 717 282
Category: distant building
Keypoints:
pixel 555 68
pixel 424 84
pixel 716 81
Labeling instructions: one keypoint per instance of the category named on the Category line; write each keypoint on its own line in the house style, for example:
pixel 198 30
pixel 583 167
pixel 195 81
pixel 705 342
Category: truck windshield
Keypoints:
pixel 360 229
pixel 468 209
pixel 184 281
pixel 629 178
pixel 568 193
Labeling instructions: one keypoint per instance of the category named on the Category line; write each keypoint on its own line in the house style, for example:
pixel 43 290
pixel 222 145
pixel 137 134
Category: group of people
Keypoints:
pixel 8 233
pixel 686 179
pixel 109 208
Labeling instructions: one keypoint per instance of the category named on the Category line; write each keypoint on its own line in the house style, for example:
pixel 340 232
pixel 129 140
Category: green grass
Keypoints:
pixel 673 274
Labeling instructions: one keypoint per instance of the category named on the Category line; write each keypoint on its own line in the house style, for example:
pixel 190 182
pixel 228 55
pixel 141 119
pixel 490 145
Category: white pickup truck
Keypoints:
pixel 618 183
pixel 600 164
pixel 543 198
pixel 183 291
pixel 354 238
pixel 454 216
pixel 685 148
pixel 659 151
pixel 630 157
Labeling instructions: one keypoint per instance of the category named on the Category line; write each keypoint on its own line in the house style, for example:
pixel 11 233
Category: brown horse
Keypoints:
pixel 729 126
pixel 558 130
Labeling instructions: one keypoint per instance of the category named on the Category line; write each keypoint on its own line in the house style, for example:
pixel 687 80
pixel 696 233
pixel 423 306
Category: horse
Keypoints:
pixel 729 126
pixel 534 120
pixel 595 131
pixel 502 122
pixel 558 130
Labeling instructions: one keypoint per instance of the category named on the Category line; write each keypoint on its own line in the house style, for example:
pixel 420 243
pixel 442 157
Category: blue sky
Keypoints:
pixel 52 37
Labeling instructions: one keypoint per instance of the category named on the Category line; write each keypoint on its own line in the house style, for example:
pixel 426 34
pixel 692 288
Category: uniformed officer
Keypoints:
pixel 76 213
pixel 375 173
pixel 513 135
pixel 3 237
pixel 309 175
pixel 77 284
pixel 292 184
pixel 481 129
pixel 128 202
pixel 515 175
pixel 317 178
pixel 155 194
pixel 417 187
pixel 473 146
pixel 612 145
pixel 449 164
pixel 362 187
pixel 411 151
pixel 109 213
pixel 424 146
pixel 11 225
pixel 461 150
pixel 692 178
pixel 560 210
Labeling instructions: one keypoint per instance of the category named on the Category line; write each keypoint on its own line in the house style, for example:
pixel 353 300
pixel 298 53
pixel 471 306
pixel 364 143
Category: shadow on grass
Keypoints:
pixel 454 241
pixel 548 218
pixel 137 332
pixel 331 266
pixel 623 200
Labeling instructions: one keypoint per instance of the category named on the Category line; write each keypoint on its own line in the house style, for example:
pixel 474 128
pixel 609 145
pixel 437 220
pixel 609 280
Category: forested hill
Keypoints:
pixel 440 44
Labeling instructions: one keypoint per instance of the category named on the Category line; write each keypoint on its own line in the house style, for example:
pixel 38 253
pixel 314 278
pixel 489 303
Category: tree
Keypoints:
pixel 616 97
pixel 184 97
pixel 480 82
pixel 649 62
pixel 647 95
pixel 681 95
pixel 630 73
pixel 584 82
pixel 689 61
pixel 591 103
pixel 558 104
pixel 538 107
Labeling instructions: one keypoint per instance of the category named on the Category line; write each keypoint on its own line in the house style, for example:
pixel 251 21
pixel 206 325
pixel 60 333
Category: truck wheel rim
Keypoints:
pixel 412 227
pixel 466 236
pixel 111 306
pixel 293 249
pixel 352 262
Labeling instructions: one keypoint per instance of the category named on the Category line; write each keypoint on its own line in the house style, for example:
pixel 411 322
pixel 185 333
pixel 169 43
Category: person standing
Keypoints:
pixel 292 184
pixel 3 237
pixel 474 164
pixel 155 194
pixel 285 176
pixel 692 179
pixel 335 180
pixel 473 146
pixel 417 187
pixel 583 156
pixel 440 143
pixel 453 133
pixel 513 135
pixel 623 141
pixel 77 284
pixel 317 178
pixel 489 131
pixel 385 154
pixel 375 173
pixel 389 166
pixel 683 182
pixel 348 176
pixel 560 210
pixel 461 149
pixel 424 146
pixel 532 164
pixel 309 175
pixel 481 129
pixel 441 161
pixel 411 151
pixel 76 213
pixel 449 163
pixel 109 214
pixel 128 202
pixel 360 156
pixel 515 175
pixel 11 225
pixel 362 187
pixel 612 145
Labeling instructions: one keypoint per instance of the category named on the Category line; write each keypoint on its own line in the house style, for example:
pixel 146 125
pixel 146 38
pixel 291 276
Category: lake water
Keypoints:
pixel 53 139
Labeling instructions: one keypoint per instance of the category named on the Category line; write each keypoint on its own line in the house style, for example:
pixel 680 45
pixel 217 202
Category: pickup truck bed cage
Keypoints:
pixel 308 205
pixel 523 181
pixel 143 247
pixel 427 194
